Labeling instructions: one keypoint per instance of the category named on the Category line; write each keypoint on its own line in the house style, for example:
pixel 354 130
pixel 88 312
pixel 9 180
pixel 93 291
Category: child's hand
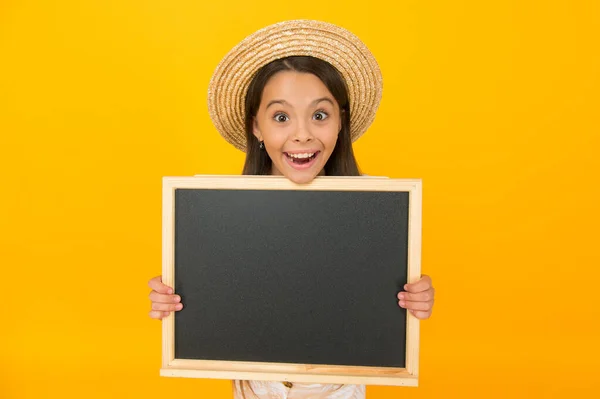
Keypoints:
pixel 163 300
pixel 418 298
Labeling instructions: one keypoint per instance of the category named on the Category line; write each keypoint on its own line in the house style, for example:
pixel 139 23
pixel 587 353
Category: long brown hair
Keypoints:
pixel 342 161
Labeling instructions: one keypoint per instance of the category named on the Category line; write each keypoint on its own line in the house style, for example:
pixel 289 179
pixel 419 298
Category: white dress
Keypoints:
pixel 281 390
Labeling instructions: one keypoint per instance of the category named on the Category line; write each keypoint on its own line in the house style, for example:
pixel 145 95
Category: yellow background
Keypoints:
pixel 495 105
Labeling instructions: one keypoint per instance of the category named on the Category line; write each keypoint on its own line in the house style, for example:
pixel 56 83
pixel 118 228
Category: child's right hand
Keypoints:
pixel 163 299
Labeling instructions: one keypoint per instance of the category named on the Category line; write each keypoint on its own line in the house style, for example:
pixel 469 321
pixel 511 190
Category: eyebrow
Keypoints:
pixel 283 102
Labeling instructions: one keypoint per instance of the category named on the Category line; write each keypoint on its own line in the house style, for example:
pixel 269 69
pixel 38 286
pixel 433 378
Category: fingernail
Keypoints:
pixel 179 306
pixel 170 291
pixel 402 303
pixel 405 286
pixel 176 298
pixel 401 295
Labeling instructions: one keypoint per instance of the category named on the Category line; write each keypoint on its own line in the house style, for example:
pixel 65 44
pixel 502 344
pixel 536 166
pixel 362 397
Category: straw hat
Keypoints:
pixel 339 47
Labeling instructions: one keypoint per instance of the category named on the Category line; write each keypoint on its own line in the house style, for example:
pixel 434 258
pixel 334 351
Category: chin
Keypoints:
pixel 300 174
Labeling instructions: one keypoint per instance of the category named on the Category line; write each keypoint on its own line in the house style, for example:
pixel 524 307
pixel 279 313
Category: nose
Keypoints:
pixel 302 134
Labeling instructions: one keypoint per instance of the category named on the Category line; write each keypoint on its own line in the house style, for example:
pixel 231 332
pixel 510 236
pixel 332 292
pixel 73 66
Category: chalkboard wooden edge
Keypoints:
pixel 341 183
pixel 172 367
pixel 399 379
pixel 414 273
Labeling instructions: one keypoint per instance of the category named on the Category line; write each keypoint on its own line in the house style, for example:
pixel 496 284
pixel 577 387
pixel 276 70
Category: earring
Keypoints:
pixel 261 145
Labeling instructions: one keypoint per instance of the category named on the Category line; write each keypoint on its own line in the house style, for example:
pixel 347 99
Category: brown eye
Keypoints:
pixel 320 116
pixel 281 118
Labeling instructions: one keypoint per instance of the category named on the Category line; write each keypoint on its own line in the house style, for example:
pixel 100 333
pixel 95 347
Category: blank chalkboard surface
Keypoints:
pixel 288 282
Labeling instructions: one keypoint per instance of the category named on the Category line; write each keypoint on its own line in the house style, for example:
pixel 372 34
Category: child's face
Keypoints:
pixel 299 120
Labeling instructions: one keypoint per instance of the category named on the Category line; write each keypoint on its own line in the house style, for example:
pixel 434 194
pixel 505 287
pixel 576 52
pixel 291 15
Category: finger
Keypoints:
pixel 421 315
pixel 157 285
pixel 410 305
pixel 157 314
pixel 423 284
pixel 162 298
pixel 167 307
pixel 419 296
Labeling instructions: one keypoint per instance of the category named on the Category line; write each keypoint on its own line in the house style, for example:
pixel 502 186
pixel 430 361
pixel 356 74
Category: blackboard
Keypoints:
pixel 291 282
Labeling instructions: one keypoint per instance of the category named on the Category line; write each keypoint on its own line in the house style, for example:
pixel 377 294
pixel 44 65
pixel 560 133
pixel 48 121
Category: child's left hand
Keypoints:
pixel 418 298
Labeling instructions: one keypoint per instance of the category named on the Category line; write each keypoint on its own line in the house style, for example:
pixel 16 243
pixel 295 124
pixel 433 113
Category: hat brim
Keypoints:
pixel 328 42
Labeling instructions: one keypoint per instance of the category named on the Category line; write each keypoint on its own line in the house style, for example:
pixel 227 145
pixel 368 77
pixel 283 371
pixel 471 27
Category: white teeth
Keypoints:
pixel 304 155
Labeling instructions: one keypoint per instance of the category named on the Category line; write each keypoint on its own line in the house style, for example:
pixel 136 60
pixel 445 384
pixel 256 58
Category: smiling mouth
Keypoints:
pixel 301 158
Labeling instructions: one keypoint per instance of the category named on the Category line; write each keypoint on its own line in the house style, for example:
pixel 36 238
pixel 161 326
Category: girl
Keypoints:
pixel 294 96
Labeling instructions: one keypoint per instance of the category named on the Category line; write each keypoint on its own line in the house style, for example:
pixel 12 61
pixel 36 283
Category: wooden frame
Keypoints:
pixel 308 373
